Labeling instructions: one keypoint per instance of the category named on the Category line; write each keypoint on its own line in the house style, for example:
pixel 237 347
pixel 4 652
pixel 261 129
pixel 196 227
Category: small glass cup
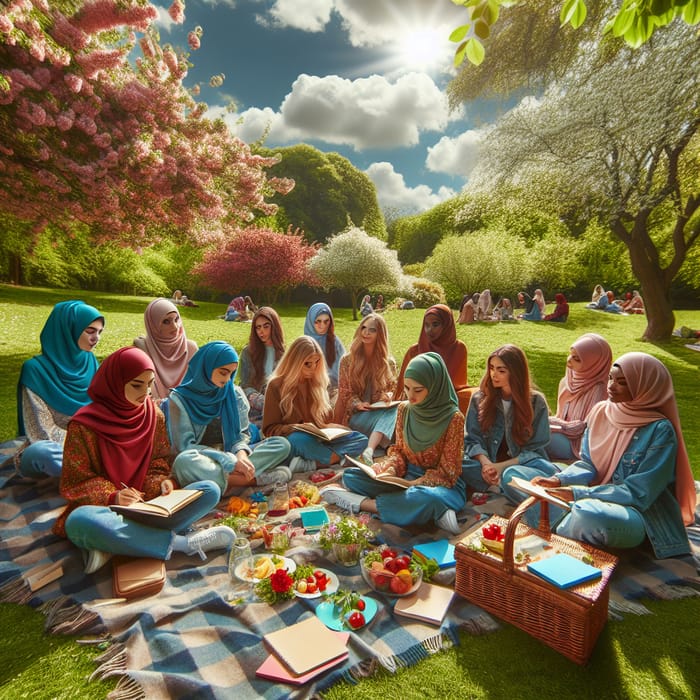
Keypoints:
pixel 240 570
pixel 279 500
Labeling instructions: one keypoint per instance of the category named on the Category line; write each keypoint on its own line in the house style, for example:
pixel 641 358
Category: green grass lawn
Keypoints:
pixel 648 657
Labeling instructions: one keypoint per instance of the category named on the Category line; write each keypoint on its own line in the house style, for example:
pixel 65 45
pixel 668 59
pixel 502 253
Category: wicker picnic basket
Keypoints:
pixel 570 620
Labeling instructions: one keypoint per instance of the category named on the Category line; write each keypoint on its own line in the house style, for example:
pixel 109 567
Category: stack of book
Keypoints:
pixel 303 651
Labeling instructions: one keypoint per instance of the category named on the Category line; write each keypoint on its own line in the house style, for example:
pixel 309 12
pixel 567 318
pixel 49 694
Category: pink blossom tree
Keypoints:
pixel 88 136
pixel 260 261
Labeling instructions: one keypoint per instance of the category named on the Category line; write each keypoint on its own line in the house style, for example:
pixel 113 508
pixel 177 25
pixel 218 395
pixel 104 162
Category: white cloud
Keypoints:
pixel 455 156
pixel 365 113
pixel 163 20
pixel 394 193
pixel 309 16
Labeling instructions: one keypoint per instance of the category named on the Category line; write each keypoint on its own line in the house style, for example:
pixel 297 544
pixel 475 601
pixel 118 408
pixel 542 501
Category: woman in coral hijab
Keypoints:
pixel 167 345
pixel 583 385
pixel 439 334
pixel 633 480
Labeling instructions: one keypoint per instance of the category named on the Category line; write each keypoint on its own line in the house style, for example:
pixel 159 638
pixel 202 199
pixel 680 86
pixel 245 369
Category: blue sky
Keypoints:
pixel 338 74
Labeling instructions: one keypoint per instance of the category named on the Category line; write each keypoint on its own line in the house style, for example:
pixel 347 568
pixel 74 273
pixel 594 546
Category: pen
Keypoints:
pixel 140 499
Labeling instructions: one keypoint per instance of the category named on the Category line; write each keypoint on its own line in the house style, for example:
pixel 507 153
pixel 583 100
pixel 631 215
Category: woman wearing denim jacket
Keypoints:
pixel 633 480
pixel 507 422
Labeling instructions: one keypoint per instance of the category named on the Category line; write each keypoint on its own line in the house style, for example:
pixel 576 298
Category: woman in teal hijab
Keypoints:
pixel 52 386
pixel 207 417
pixel 320 326
pixel 426 454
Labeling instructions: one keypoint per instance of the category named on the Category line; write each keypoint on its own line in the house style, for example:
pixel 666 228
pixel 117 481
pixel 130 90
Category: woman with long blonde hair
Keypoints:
pixel 297 393
pixel 368 376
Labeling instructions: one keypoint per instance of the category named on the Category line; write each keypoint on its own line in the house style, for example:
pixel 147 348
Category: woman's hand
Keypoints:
pixel 128 495
pixel 548 482
pixel 566 494
pixel 167 486
pixel 362 406
pixel 244 466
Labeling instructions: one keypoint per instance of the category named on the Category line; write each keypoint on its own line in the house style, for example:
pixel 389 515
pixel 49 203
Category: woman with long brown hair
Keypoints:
pixel 507 421
pixel 259 359
pixel 368 376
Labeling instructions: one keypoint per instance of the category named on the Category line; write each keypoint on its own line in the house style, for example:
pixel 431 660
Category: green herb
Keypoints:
pixel 429 566
pixel 303 571
pixel 344 600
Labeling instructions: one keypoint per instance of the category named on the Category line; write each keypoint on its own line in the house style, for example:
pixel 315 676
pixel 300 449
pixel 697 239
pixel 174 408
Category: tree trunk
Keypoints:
pixel 656 292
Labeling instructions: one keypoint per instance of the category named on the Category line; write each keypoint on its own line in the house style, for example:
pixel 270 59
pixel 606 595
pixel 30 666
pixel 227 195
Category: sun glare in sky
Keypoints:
pixel 423 49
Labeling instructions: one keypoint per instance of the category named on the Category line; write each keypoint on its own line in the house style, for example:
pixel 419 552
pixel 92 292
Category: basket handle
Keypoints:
pixel 512 526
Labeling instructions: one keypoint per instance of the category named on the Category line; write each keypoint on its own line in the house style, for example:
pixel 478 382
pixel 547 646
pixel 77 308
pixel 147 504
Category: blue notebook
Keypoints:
pixel 314 518
pixel 441 550
pixel 564 570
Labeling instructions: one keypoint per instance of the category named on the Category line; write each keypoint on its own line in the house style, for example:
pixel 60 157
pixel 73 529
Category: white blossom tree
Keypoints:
pixel 356 262
pixel 618 140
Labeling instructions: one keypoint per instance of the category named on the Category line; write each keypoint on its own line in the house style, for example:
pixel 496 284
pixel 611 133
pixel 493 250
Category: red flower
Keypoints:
pixel 281 581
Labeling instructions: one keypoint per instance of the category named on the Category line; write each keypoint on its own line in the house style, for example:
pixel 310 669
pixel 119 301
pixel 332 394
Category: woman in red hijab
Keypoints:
pixel 117 452
pixel 633 480
pixel 439 334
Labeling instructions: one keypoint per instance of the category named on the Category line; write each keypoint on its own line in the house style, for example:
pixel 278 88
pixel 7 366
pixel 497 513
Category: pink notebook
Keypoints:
pixel 273 669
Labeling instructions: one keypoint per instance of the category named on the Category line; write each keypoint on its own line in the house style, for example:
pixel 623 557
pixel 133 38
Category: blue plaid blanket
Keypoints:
pixel 189 641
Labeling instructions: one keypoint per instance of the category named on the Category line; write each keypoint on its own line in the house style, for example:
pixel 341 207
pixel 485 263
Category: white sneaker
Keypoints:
pixel 272 476
pixel 342 498
pixel 95 559
pixel 448 522
pixel 300 465
pixel 218 537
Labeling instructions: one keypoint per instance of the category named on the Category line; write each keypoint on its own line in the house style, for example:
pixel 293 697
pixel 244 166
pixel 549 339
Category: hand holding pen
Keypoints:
pixel 129 495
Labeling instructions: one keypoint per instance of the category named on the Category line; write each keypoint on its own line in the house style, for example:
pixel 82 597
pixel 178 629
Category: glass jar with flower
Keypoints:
pixel 346 537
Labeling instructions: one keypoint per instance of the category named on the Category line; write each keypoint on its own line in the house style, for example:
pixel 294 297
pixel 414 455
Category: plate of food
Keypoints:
pixel 317 583
pixel 263 567
pixel 336 618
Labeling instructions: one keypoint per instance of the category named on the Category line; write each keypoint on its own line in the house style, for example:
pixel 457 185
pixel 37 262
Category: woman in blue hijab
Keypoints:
pixel 209 430
pixel 52 386
pixel 320 326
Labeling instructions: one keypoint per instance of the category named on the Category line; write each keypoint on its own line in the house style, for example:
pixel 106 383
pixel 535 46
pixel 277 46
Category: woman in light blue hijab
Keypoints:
pixel 209 430
pixel 320 326
pixel 52 386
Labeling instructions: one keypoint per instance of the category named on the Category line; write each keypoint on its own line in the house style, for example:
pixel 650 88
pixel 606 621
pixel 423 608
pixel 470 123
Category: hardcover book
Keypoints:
pixel 564 571
pixel 325 434
pixel 441 550
pixel 383 478
pixel 429 603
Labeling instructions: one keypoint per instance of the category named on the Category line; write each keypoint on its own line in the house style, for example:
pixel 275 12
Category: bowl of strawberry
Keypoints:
pixel 391 572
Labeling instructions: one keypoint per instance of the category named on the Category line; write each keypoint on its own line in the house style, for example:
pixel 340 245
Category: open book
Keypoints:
pixel 397 481
pixel 325 434
pixel 383 404
pixel 160 507
pixel 539 491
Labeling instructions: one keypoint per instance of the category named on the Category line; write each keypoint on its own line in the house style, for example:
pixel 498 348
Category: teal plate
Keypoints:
pixel 327 614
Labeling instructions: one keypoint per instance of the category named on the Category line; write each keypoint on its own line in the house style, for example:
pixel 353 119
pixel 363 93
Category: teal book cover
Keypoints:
pixel 564 571
pixel 441 550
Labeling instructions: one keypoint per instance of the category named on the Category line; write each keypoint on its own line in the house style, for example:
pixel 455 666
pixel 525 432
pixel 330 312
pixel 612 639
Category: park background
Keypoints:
pixel 116 186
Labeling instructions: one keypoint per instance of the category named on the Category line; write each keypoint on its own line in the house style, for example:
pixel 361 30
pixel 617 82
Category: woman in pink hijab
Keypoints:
pixel 633 480
pixel 167 345
pixel 583 385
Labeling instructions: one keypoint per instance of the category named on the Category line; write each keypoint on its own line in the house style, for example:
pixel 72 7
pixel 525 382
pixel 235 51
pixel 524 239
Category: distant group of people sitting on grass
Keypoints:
pixel 164 414
pixel 606 301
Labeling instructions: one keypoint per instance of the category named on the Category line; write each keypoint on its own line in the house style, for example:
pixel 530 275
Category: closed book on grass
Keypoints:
pixel 564 571
pixel 305 645
pixel 441 550
pixel 429 603
pixel 382 478
pixel 273 669
pixel 325 434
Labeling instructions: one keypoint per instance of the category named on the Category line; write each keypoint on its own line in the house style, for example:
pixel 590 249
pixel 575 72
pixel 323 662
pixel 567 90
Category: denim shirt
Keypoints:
pixel 186 435
pixel 476 442
pixel 643 479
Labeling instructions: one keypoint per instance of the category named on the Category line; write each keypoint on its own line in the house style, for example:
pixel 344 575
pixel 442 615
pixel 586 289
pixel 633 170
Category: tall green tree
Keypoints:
pixel 356 262
pixel 619 138
pixel 329 191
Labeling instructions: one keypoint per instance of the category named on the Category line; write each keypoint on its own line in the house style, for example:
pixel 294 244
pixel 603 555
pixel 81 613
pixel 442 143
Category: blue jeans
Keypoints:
pixel 41 459
pixel 416 505
pixel 471 473
pixel 309 447
pixel 559 448
pixel 99 527
pixel 381 420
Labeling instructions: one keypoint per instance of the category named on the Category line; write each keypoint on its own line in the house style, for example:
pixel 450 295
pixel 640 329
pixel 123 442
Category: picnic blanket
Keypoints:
pixel 190 641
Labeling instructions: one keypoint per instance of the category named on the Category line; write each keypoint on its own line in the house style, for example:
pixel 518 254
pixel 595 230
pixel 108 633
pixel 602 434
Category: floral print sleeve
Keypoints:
pixel 442 461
